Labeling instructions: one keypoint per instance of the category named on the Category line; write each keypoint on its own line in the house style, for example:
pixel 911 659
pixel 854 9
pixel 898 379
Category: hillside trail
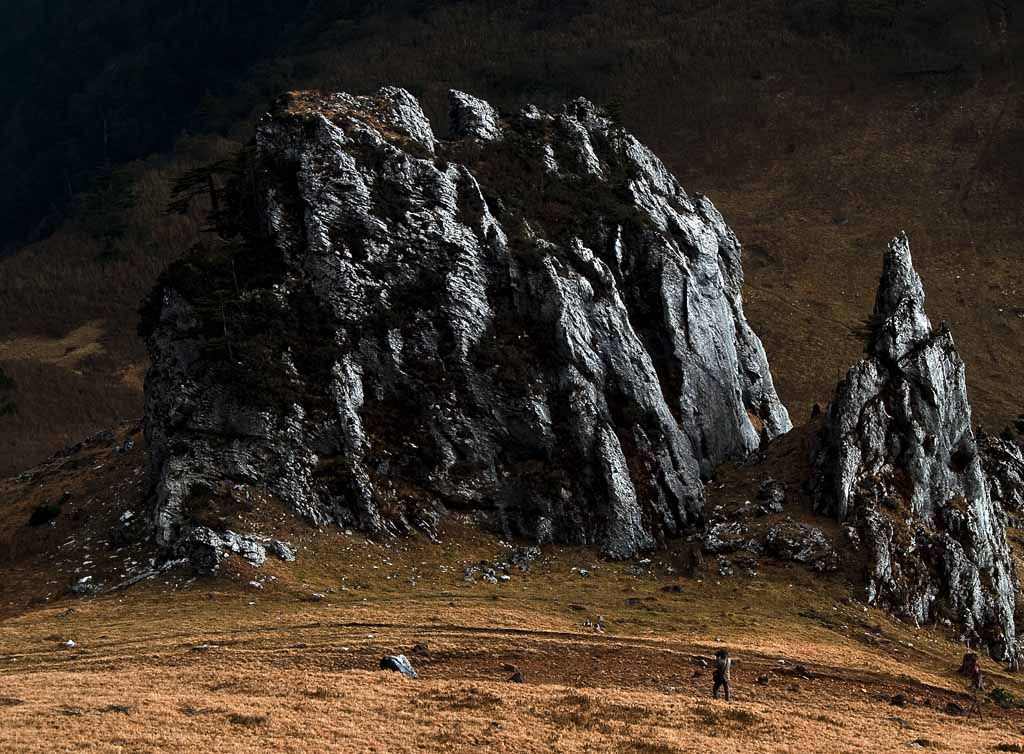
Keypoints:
pixel 270 680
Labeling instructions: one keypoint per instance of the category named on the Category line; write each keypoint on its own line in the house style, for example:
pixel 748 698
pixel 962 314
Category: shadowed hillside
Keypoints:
pixel 818 129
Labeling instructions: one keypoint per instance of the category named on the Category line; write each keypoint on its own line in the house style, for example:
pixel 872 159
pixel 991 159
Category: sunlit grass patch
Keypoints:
pixel 468 698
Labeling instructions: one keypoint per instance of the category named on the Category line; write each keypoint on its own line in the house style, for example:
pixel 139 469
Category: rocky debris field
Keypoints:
pixel 761 527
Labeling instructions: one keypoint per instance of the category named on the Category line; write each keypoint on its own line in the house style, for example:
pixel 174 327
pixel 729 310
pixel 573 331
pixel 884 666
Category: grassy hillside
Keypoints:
pixel 820 129
pixel 284 657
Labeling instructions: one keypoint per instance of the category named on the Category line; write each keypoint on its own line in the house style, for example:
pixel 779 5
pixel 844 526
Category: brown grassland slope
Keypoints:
pixel 817 145
pixel 284 657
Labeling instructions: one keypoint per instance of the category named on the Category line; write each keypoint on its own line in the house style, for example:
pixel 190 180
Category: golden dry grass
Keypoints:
pixel 66 351
pixel 182 665
pixel 200 708
pixel 185 672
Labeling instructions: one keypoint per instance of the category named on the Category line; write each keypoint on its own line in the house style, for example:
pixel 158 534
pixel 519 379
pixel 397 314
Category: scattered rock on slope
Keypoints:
pixel 531 319
pixel 398 664
pixel 802 543
pixel 898 460
pixel 205 549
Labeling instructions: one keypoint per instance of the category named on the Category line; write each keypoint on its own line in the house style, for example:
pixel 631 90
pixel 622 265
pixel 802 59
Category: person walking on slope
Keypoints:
pixel 723 664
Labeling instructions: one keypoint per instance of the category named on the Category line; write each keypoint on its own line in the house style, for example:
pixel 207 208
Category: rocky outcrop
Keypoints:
pixel 738 534
pixel 205 549
pixel 1003 461
pixel 898 461
pixel 531 319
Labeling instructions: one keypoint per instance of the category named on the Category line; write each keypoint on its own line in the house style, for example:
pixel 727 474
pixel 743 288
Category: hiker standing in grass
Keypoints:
pixel 723 664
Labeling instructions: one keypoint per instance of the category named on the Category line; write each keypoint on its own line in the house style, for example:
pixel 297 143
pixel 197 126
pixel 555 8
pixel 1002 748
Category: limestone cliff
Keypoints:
pixel 530 318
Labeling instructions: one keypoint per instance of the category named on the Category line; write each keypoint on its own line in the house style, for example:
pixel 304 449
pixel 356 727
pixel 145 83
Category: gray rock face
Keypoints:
pixel 898 460
pixel 1003 462
pixel 399 664
pixel 531 319
pixel 205 549
pixel 472 118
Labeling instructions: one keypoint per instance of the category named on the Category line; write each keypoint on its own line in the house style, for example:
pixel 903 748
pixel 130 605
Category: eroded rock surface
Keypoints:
pixel 205 549
pixel 898 461
pixel 1003 461
pixel 531 319
pixel 742 536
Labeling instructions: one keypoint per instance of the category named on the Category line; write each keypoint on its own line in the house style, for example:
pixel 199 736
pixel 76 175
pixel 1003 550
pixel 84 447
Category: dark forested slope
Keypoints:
pixel 818 128
pixel 87 84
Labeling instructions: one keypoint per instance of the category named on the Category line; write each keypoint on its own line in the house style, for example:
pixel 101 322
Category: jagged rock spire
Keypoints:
pixel 897 458
pixel 899 315
pixel 531 320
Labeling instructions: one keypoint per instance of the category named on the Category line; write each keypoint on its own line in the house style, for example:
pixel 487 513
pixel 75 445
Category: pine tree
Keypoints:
pixel 7 406
pixel 102 212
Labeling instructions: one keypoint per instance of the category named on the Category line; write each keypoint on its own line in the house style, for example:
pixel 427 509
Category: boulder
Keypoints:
pixel 248 547
pixel 398 664
pixel 202 548
pixel 281 550
pixel 955 709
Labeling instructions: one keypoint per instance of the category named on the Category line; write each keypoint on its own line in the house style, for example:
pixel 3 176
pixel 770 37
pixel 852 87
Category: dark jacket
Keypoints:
pixel 722 667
